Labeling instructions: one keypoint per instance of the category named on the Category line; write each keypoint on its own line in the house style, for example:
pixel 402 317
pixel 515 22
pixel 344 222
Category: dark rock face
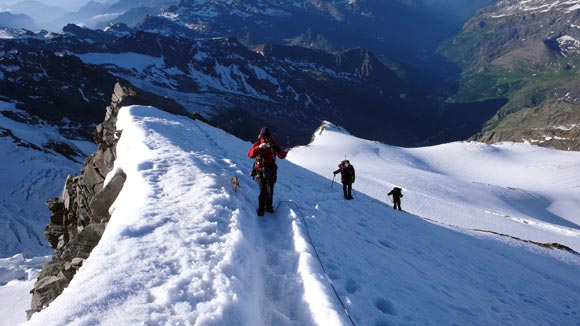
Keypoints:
pixel 80 215
pixel 552 124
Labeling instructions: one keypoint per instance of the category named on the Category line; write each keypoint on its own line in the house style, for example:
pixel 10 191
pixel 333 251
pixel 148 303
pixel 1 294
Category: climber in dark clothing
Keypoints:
pixel 346 171
pixel 397 195
pixel 265 168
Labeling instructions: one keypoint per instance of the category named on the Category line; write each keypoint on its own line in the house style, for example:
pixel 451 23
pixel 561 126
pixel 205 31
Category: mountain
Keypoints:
pixel 53 87
pixel 181 246
pixel 124 5
pixel 401 30
pixel 402 34
pixel 52 17
pixel 69 5
pixel 527 52
pixel 98 14
pixel 90 14
pixel 131 17
pixel 41 13
pixel 237 88
pixel 10 20
pixel 49 105
pixel 370 24
pixel 457 9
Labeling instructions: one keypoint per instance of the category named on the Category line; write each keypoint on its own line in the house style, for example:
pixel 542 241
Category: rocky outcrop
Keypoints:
pixel 554 125
pixel 79 217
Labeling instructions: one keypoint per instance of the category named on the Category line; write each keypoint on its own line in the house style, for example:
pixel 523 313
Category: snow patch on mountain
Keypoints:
pixel 568 44
pixel 6 34
pixel 228 78
pixel 511 7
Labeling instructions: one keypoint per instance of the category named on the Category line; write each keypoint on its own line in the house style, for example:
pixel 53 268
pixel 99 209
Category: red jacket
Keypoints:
pixel 265 156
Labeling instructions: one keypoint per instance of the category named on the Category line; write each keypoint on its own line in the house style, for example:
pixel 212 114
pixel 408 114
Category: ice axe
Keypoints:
pixel 332 181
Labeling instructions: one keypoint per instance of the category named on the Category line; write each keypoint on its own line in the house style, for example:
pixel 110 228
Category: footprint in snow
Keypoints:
pixel 352 286
pixel 385 306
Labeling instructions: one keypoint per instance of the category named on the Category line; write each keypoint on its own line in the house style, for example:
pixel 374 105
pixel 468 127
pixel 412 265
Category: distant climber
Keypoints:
pixel 397 195
pixel 347 174
pixel 265 168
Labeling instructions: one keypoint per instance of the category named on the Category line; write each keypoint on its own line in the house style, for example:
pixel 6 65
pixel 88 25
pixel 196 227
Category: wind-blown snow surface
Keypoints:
pixel 183 248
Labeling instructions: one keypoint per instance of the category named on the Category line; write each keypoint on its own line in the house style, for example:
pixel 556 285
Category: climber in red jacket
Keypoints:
pixel 265 169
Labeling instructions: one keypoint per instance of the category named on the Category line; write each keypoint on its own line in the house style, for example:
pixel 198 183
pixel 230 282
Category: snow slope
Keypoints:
pixel 183 248
pixel 17 277
pixel 528 192
pixel 31 174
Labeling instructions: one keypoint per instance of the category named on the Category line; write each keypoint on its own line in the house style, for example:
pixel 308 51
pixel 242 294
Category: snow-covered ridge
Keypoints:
pixel 216 259
pixel 182 247
pixel 511 7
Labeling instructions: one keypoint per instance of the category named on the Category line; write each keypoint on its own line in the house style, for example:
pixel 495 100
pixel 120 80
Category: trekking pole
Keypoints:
pixel 332 181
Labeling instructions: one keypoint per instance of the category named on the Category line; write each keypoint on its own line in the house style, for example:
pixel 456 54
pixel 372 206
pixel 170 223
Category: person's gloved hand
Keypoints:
pixel 335 173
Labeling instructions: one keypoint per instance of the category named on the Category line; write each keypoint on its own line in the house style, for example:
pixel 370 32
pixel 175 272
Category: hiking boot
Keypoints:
pixel 260 213
pixel 350 197
pixel 270 210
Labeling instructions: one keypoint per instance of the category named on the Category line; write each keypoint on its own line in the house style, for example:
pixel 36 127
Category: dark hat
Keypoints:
pixel 265 132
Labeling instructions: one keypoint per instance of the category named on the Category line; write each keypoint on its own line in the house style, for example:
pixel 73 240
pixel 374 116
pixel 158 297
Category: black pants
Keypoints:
pixel 397 203
pixel 347 190
pixel 266 196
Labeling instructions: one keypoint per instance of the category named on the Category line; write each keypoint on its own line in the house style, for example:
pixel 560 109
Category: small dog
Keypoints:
pixel 236 183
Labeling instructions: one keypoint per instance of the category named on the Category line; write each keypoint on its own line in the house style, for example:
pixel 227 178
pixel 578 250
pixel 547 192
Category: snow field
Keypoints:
pixel 183 248
pixel 528 192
